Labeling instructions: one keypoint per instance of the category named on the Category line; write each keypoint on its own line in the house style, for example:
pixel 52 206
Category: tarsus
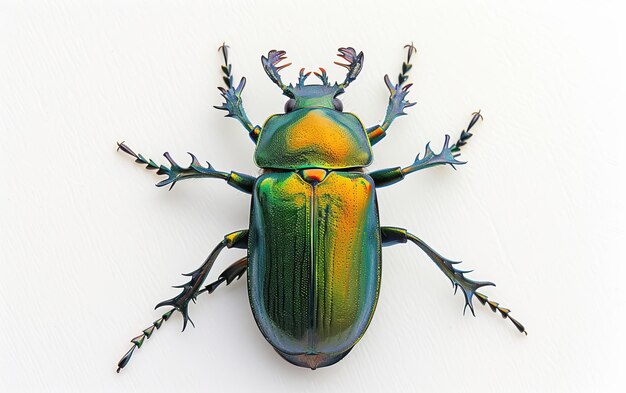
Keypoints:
pixel 504 311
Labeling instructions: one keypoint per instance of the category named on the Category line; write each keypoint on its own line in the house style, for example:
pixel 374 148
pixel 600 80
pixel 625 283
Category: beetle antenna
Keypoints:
pixel 138 341
pixel 270 65
pixel 354 64
pixel 503 311
pixel 302 77
pixel 322 76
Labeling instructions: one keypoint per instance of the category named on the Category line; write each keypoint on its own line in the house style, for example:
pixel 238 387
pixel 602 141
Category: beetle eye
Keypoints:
pixel 338 104
pixel 290 105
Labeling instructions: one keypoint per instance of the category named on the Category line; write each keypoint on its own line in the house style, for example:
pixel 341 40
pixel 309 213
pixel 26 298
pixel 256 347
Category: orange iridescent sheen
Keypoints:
pixel 313 138
pixel 314 241
pixel 314 272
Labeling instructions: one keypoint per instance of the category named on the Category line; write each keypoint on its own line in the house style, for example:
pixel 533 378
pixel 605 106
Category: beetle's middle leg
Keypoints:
pixel 391 236
pixel 447 156
pixel 193 288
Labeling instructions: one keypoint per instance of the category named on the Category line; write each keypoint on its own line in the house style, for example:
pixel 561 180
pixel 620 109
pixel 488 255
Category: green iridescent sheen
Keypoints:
pixel 314 260
pixel 313 138
pixel 314 241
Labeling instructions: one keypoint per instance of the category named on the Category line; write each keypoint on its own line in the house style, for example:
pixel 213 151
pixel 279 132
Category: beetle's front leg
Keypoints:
pixel 397 99
pixel 391 236
pixel 447 156
pixel 233 102
pixel 174 172
pixel 192 289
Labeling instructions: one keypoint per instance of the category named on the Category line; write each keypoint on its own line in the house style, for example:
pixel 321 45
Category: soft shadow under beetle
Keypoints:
pixel 314 241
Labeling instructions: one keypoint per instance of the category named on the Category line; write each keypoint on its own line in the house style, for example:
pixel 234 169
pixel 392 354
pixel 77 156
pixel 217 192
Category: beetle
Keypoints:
pixel 314 241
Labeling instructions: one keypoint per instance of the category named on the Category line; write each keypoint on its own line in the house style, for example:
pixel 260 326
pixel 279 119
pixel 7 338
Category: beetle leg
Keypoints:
pixel 391 236
pixel 397 99
pixel 175 173
pixel 180 303
pixel 233 272
pixel 238 239
pixel 466 134
pixel 233 103
pixel 447 156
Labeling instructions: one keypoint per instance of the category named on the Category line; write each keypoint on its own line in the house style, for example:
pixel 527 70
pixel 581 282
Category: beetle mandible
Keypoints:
pixel 314 241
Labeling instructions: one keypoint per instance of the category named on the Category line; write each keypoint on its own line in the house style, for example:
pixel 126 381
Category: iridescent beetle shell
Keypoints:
pixel 313 137
pixel 314 262
pixel 314 248
pixel 314 240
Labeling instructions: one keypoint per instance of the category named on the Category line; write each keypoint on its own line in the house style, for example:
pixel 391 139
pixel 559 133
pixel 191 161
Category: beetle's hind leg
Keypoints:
pixel 190 289
pixel 193 288
pixel 232 273
pixel 391 236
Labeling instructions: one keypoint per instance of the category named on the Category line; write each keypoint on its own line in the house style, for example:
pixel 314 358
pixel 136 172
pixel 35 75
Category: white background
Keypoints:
pixel 88 245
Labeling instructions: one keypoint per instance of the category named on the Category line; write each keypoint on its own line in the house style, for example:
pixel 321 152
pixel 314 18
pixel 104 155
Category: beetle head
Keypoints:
pixel 314 95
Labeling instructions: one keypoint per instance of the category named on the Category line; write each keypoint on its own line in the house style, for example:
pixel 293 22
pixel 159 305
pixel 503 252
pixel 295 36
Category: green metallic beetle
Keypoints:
pixel 314 241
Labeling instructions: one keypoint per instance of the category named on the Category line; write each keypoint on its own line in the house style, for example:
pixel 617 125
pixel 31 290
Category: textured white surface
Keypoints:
pixel 88 245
